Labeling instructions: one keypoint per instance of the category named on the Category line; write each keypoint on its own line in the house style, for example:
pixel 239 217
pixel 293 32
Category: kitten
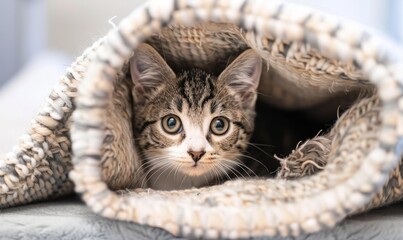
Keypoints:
pixel 192 127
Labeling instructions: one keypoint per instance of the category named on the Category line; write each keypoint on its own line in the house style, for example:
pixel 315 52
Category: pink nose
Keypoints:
pixel 196 155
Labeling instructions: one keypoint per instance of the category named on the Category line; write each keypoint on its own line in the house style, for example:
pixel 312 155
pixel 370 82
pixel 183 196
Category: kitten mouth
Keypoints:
pixel 196 168
pixel 196 164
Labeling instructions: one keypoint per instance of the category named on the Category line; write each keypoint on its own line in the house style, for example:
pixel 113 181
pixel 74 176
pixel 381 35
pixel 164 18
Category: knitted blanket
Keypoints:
pixel 83 130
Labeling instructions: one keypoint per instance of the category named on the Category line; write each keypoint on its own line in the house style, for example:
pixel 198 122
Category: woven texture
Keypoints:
pixel 311 57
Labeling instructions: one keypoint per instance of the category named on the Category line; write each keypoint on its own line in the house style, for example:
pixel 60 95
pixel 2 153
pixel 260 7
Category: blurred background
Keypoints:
pixel 40 38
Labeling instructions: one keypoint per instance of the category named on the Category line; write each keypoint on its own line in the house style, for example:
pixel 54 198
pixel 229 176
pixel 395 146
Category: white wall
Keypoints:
pixel 372 13
pixel 23 34
pixel 395 20
pixel 75 24
pixel 32 28
pixel 8 40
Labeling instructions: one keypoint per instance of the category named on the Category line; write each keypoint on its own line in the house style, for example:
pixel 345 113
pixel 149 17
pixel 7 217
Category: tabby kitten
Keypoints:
pixel 191 127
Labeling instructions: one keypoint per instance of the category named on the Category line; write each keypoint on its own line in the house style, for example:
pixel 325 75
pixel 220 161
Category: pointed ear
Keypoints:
pixel 149 72
pixel 243 76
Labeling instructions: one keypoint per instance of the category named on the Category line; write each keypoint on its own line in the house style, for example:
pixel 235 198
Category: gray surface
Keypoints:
pixel 71 219
pixel 68 219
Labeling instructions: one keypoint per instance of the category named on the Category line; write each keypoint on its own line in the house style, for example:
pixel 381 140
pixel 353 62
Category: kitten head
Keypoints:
pixel 193 123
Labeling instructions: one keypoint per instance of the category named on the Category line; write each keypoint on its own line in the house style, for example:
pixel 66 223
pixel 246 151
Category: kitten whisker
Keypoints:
pixel 237 163
pixel 234 170
pixel 172 168
pixel 176 170
pixel 205 177
pixel 264 95
pixel 155 166
pixel 156 169
pixel 261 150
pixel 262 144
pixel 148 163
pixel 264 152
pixel 222 167
pixel 144 166
pixel 183 179
pixel 254 159
pixel 242 165
pixel 245 169
pixel 218 176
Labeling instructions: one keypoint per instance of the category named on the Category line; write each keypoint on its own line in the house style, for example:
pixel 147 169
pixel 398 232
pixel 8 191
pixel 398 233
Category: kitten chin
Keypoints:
pixel 192 127
pixel 178 181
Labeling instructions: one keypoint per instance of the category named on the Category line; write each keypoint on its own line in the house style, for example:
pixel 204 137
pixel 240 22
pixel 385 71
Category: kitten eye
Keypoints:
pixel 219 125
pixel 171 124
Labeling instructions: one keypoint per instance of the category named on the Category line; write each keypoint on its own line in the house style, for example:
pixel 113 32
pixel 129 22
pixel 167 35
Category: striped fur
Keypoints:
pixel 196 97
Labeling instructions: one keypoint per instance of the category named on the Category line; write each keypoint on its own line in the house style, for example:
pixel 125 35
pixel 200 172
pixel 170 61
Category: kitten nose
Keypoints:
pixel 196 155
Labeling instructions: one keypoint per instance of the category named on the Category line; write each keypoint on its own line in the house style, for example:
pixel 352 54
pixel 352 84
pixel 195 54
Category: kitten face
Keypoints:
pixel 192 126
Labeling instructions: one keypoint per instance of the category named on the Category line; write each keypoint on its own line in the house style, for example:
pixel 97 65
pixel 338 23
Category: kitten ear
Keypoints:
pixel 149 72
pixel 243 76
